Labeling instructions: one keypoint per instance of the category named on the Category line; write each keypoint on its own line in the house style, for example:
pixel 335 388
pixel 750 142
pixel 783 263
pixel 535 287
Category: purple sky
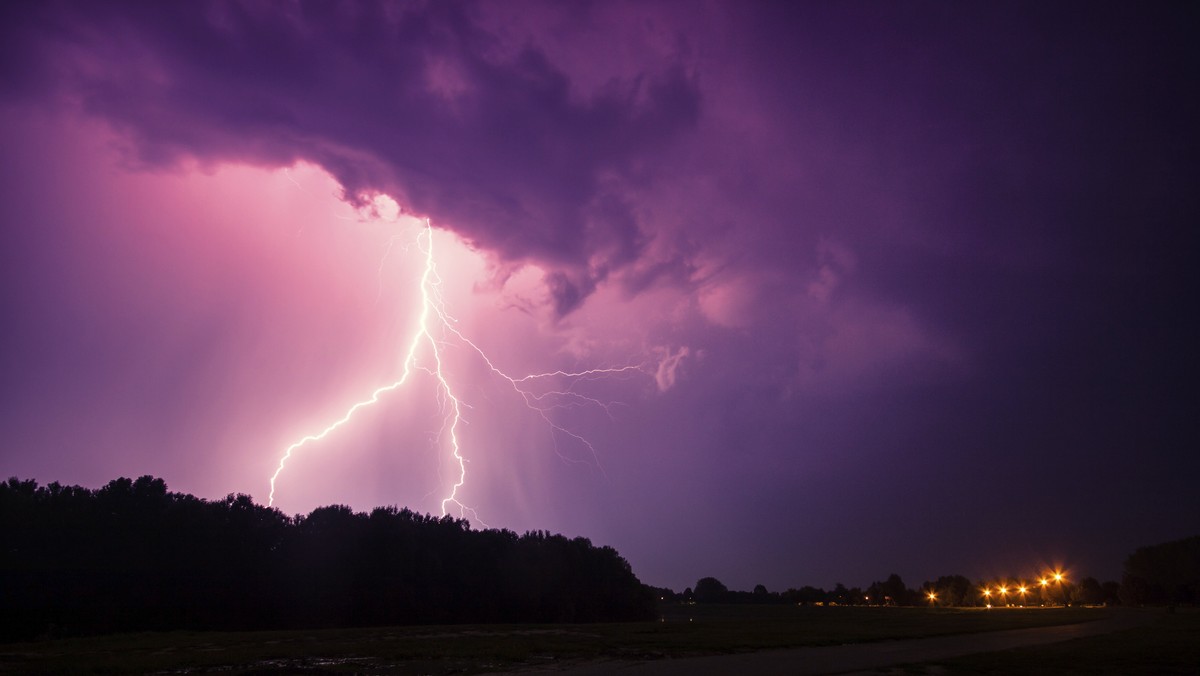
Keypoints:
pixel 907 282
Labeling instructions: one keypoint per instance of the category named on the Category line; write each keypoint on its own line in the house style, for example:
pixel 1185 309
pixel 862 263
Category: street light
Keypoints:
pixel 1059 579
pixel 932 597
pixel 1022 589
pixel 1045 591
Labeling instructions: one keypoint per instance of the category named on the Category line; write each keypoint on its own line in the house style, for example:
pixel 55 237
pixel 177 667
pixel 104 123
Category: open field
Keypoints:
pixel 682 631
pixel 1169 645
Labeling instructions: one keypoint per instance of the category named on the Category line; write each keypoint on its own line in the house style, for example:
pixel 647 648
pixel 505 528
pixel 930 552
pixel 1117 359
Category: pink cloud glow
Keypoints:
pixel 851 246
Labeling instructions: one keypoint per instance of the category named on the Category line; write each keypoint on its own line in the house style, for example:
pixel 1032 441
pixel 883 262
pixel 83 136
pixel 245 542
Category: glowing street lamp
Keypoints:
pixel 1045 589
pixel 932 597
pixel 1059 579
pixel 1022 591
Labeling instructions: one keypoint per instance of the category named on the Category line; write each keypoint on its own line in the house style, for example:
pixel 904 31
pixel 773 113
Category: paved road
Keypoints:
pixel 863 656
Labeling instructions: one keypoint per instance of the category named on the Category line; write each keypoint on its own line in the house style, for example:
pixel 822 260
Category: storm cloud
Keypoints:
pixel 890 268
pixel 416 100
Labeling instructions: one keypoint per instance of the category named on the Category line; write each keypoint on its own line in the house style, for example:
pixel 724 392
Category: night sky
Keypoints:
pixel 910 287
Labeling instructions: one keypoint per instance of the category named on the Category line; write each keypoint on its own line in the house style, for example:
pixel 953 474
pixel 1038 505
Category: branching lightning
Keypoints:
pixel 433 314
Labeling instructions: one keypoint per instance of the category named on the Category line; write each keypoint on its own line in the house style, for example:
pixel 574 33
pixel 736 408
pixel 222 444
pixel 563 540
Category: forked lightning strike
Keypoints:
pixel 432 308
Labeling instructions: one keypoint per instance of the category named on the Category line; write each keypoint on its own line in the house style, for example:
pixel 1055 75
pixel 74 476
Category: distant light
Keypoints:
pixel 932 596
pixel 1021 589
pixel 1058 577
pixel 1004 590
pixel 987 592
pixel 1043 582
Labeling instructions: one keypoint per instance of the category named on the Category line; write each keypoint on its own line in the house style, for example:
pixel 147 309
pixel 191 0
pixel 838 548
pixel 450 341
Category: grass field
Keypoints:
pixel 466 649
pixel 1170 645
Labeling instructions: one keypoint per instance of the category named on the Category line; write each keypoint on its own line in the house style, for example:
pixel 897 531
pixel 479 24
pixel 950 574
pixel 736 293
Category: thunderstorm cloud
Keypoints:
pixel 419 101
pixel 880 264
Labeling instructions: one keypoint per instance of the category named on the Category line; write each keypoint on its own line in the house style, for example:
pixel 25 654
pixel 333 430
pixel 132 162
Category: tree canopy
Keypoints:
pixel 134 556
pixel 1163 573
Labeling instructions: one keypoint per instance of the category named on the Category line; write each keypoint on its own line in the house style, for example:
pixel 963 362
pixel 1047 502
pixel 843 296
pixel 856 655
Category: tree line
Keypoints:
pixel 947 590
pixel 1167 573
pixel 134 556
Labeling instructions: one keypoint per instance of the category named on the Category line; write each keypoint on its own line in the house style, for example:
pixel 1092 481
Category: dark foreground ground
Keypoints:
pixel 1160 644
pixel 930 655
pixel 1168 644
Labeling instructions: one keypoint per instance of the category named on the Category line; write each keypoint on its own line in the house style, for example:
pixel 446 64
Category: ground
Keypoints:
pixel 721 638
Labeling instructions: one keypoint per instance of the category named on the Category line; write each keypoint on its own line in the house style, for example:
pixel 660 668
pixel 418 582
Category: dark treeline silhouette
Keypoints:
pixel 1164 573
pixel 133 556
pixel 891 591
pixel 947 590
pixel 1167 573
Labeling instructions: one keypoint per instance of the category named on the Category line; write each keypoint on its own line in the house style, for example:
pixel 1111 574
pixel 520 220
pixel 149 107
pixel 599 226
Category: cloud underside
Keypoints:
pixel 417 101
pixel 514 147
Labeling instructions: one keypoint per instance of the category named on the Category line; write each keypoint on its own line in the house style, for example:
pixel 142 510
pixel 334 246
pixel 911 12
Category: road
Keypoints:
pixel 861 656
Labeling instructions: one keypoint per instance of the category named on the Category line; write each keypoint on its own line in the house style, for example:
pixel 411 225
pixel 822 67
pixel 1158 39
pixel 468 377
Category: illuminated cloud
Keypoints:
pixel 665 375
pixel 414 100
pixel 863 253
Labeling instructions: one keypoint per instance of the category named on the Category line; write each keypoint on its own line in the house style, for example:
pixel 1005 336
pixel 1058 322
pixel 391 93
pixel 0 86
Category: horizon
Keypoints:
pixel 1052 572
pixel 765 292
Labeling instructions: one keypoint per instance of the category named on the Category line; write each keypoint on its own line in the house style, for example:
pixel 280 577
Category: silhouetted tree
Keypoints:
pixel 710 590
pixel 806 595
pixel 840 595
pixel 1164 573
pixel 951 590
pixel 1089 591
pixel 1112 592
pixel 855 596
pixel 133 556
pixel 890 592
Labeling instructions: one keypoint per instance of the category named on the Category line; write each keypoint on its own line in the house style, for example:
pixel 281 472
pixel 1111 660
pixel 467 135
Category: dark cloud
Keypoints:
pixel 417 100
pixel 927 248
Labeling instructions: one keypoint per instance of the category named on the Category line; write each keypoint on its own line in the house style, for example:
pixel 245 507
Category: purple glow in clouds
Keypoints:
pixel 433 318
pixel 899 279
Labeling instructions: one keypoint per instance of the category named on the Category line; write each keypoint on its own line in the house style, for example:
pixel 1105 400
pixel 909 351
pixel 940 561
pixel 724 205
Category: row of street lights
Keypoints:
pixel 1003 590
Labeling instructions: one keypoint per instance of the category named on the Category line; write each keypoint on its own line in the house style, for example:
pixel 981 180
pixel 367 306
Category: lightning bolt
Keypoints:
pixel 433 313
